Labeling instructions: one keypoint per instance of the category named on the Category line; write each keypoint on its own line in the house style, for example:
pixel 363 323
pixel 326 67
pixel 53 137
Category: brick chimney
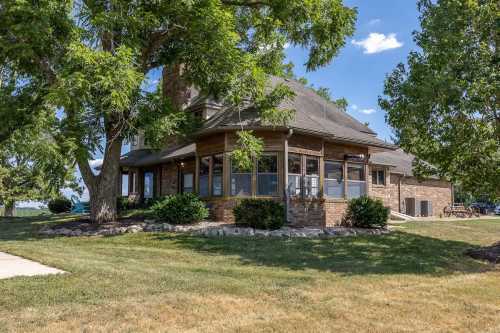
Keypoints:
pixel 175 87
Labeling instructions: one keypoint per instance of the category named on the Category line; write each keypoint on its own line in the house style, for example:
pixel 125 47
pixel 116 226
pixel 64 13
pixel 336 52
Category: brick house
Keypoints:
pixel 315 165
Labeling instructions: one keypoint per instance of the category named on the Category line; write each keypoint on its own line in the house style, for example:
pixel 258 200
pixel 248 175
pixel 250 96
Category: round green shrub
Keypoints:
pixel 182 208
pixel 59 205
pixel 260 214
pixel 365 212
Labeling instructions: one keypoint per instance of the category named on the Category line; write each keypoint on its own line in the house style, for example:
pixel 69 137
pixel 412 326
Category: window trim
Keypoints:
pixel 301 187
pixel 306 176
pixel 250 172
pixel 207 175
pixel 211 178
pixel 257 173
pixel 342 167
pixel 377 170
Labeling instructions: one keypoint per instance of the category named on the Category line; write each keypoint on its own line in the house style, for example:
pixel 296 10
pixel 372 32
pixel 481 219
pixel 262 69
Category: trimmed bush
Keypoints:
pixel 183 208
pixel 260 214
pixel 59 205
pixel 365 212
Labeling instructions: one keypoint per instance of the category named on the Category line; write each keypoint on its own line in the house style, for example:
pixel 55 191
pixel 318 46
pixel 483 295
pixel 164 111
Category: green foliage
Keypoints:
pixel 59 205
pixel 182 208
pixel 34 165
pixel 444 103
pixel 249 148
pixel 365 212
pixel 89 61
pixel 260 214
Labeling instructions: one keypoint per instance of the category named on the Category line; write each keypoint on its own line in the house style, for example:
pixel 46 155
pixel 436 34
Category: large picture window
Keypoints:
pixel 241 181
pixel 148 185
pixel 217 167
pixel 204 176
pixel 355 180
pixel 334 179
pixel 267 175
pixel 311 180
pixel 294 175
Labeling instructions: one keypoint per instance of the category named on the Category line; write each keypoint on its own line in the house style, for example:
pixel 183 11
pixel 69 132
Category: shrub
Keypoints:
pixel 365 212
pixel 59 205
pixel 180 209
pixel 260 214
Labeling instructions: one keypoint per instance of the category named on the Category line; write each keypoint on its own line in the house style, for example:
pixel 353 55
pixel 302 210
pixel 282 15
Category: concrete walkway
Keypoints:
pixel 11 266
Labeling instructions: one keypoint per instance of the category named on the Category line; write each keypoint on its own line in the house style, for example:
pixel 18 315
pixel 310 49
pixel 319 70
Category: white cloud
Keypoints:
pixel 354 107
pixel 376 43
pixel 95 163
pixel 374 21
pixel 367 111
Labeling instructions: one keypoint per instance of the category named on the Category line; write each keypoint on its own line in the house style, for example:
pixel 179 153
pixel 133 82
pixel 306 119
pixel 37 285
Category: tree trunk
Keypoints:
pixel 103 188
pixel 10 209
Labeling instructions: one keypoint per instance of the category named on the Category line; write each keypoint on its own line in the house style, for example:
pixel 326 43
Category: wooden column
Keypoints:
pixel 345 179
pixel 321 169
pixel 197 174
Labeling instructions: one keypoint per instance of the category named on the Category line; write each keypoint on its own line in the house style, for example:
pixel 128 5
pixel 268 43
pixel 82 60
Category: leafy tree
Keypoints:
pixel 89 59
pixel 33 166
pixel 444 103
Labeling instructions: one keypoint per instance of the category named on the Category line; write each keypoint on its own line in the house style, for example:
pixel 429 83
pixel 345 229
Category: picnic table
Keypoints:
pixel 459 210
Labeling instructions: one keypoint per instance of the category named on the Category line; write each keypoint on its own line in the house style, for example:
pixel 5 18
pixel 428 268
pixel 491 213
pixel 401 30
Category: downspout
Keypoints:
pixel 285 180
pixel 399 194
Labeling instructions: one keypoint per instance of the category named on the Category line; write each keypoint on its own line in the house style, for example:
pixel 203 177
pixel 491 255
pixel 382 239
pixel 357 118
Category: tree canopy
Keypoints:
pixel 33 166
pixel 443 104
pixel 90 58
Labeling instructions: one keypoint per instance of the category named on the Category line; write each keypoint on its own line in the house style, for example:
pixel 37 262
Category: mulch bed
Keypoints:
pixel 489 253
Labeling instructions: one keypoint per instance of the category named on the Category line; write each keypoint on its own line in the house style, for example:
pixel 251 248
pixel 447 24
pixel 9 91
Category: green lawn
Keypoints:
pixel 415 279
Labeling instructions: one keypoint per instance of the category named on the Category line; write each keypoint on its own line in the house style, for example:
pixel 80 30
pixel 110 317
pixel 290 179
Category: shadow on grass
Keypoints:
pixel 24 228
pixel 397 253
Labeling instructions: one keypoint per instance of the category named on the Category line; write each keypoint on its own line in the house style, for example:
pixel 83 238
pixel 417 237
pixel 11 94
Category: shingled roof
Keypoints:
pixel 401 162
pixel 313 115
pixel 146 157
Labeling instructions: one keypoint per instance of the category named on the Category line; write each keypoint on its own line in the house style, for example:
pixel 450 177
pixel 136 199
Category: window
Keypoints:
pixel 217 167
pixel 267 175
pixel 204 176
pixel 311 180
pixel 378 177
pixel 125 185
pixel 334 179
pixel 355 180
pixel 241 181
pixel 294 175
pixel 187 182
pixel 148 185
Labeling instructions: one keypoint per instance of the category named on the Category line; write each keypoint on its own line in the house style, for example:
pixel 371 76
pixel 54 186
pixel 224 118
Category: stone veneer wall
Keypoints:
pixel 169 179
pixel 306 213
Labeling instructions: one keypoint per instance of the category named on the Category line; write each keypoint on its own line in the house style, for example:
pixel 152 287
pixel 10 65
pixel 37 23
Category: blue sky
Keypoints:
pixel 383 38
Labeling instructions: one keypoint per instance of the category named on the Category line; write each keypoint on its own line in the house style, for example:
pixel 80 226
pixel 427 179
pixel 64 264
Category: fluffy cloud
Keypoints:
pixel 368 111
pixel 95 163
pixel 376 43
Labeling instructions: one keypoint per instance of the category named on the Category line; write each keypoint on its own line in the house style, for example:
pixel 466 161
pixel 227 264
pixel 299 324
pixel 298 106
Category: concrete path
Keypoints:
pixel 11 266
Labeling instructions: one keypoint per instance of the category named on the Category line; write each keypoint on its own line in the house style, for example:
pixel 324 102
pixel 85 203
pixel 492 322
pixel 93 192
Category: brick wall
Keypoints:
pixel 436 191
pixel 334 212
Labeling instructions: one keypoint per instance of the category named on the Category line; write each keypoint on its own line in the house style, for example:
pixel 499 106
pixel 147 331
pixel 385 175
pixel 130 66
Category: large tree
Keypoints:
pixel 443 104
pixel 90 59
pixel 33 165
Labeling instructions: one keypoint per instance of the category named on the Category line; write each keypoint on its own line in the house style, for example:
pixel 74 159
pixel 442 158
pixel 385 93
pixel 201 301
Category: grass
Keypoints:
pixel 26 211
pixel 415 279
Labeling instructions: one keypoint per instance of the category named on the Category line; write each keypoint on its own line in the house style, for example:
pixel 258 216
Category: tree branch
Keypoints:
pixel 250 3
